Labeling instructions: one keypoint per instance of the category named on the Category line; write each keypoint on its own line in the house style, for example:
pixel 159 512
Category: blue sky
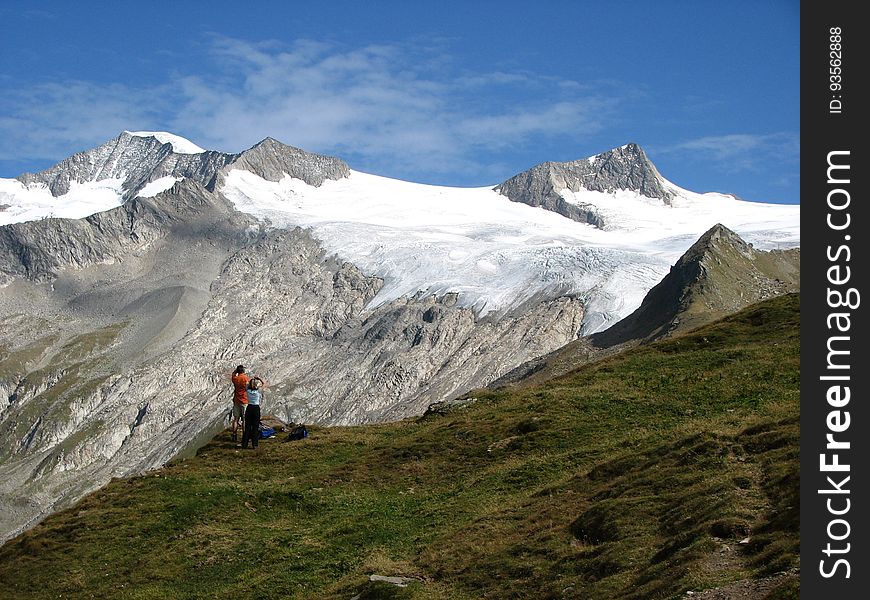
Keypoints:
pixel 452 93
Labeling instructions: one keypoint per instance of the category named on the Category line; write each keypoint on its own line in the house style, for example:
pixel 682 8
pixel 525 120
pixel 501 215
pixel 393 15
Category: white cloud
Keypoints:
pixel 743 151
pixel 387 106
pixel 48 120
pixel 584 115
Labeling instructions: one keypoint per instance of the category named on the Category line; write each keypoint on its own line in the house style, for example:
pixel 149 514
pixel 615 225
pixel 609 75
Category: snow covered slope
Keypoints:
pixel 498 247
pixel 20 202
pixel 497 253
pixel 179 144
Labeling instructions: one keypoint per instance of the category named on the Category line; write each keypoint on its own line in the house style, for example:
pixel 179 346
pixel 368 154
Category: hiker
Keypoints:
pixel 240 397
pixel 252 413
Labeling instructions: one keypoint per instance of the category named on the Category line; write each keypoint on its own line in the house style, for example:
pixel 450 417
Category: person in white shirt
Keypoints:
pixel 252 413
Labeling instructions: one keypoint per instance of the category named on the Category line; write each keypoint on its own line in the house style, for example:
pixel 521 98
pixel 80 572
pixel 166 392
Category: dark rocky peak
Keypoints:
pixel 718 275
pixel 715 240
pixel 110 160
pixel 137 160
pixel 271 160
pixel 623 168
pixel 41 250
pixel 185 200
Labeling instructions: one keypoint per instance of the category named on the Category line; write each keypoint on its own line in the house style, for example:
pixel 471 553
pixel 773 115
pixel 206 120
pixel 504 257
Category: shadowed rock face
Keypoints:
pixel 118 333
pixel 717 276
pixel 42 250
pixel 624 168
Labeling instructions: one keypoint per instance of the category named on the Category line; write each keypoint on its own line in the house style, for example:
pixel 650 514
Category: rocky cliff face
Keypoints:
pixel 623 168
pixel 135 160
pixel 118 333
pixel 41 250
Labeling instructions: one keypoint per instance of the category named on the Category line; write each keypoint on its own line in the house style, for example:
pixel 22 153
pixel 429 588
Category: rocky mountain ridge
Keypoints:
pixel 718 275
pixel 138 160
pixel 623 168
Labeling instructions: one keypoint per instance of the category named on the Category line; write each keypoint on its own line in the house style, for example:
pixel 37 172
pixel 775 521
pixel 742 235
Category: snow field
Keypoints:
pixel 497 254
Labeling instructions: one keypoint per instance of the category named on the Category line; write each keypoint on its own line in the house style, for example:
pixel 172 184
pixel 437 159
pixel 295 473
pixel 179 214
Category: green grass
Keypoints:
pixel 14 363
pixel 85 345
pixel 623 479
pixel 17 364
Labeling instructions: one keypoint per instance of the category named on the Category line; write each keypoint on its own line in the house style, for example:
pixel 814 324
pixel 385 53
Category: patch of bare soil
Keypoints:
pixel 746 589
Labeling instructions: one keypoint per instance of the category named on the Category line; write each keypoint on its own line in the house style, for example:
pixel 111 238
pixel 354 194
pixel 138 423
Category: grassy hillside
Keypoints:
pixel 640 476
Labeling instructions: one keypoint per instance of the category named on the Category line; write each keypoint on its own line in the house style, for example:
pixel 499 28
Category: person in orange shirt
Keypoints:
pixel 240 397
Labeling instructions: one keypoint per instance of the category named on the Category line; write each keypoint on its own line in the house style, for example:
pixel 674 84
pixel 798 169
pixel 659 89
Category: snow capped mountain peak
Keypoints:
pixel 106 176
pixel 179 144
pixel 146 163
pixel 273 160
pixel 623 169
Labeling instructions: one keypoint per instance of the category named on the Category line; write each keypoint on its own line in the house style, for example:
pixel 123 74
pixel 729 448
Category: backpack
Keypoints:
pixel 266 432
pixel 297 433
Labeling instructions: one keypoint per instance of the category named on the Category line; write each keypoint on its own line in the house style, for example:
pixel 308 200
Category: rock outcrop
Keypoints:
pixel 623 168
pixel 272 160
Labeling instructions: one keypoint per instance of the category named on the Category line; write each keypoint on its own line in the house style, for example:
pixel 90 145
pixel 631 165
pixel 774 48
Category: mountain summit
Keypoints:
pixel 626 168
pixel 273 160
pixel 134 160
